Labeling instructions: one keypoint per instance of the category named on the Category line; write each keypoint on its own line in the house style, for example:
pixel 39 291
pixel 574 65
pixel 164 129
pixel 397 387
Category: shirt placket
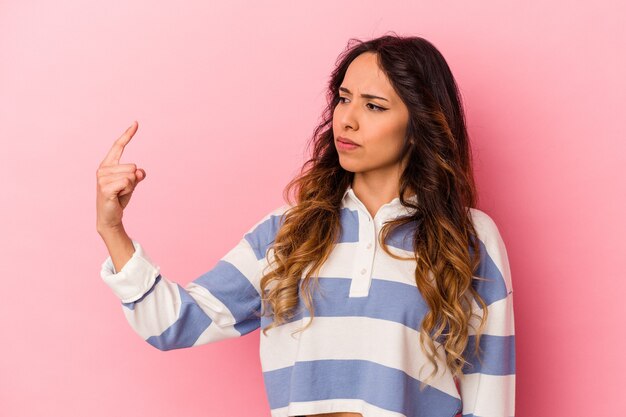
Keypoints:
pixel 364 256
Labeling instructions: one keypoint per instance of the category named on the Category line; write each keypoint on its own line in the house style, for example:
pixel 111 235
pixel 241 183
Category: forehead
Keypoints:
pixel 364 76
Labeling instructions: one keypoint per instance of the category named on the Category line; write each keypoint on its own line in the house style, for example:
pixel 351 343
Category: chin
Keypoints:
pixel 350 167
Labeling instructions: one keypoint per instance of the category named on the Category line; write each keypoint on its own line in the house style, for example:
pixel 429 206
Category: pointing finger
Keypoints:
pixel 115 153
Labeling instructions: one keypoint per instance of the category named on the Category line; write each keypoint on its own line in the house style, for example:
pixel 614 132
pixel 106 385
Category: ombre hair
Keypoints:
pixel 439 170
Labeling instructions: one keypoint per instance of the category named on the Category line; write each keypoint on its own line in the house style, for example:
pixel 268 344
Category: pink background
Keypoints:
pixel 226 95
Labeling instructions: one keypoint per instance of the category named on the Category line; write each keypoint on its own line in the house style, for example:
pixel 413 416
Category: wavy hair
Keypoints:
pixel 439 170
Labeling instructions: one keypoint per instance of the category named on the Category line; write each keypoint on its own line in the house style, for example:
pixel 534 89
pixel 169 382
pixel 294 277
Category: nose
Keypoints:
pixel 347 115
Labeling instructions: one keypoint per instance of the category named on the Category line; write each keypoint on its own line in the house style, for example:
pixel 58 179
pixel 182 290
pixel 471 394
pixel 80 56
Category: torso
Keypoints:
pixel 342 414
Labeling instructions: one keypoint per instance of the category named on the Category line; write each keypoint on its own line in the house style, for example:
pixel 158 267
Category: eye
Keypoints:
pixel 375 107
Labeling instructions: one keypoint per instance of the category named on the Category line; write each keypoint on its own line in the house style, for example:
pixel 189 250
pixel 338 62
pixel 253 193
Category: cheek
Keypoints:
pixel 385 146
pixel 388 150
pixel 387 139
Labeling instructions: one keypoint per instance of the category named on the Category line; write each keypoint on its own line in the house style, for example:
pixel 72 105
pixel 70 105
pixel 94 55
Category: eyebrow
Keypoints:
pixel 345 90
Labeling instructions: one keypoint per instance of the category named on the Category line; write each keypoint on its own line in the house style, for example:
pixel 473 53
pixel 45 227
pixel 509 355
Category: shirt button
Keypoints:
pixel 363 271
pixel 369 245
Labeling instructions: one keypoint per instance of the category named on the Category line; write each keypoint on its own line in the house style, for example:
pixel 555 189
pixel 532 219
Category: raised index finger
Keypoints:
pixel 115 153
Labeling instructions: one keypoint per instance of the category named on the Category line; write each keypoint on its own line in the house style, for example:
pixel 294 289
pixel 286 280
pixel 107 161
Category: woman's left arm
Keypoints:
pixel 488 385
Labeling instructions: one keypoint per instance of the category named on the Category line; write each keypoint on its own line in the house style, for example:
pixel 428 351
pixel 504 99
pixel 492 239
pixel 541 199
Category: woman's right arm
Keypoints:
pixel 119 245
pixel 221 303
pixel 115 186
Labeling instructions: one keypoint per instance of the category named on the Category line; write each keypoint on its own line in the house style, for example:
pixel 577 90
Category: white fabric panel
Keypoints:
pixel 352 339
pixel 488 395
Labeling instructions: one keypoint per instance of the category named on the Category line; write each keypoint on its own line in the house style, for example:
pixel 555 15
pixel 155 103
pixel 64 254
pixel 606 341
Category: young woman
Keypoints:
pixel 380 289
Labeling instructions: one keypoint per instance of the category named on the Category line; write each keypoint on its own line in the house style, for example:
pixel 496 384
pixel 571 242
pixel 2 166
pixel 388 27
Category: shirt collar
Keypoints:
pixel 394 206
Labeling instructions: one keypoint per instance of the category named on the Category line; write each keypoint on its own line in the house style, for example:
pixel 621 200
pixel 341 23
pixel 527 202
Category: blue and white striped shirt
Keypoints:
pixel 362 352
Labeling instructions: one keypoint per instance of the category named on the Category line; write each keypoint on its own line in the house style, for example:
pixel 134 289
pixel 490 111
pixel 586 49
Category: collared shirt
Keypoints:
pixel 361 353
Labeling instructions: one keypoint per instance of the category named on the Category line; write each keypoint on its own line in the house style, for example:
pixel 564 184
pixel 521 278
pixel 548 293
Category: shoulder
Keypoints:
pixel 485 226
pixel 267 226
pixel 275 217
pixel 493 245
pixel 279 211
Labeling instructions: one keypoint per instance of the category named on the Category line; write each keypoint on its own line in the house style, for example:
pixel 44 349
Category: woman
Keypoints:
pixel 381 290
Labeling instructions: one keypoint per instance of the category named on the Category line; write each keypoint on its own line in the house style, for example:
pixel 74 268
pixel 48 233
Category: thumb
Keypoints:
pixel 141 174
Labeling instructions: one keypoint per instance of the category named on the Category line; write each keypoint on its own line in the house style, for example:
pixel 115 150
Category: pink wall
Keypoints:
pixel 226 95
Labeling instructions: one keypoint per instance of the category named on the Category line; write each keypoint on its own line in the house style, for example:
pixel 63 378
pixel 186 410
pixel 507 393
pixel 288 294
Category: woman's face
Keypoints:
pixel 377 125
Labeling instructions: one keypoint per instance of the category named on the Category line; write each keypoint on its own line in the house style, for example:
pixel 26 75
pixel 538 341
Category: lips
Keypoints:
pixel 346 140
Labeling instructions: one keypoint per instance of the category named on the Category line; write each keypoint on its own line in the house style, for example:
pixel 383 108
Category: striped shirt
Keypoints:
pixel 361 353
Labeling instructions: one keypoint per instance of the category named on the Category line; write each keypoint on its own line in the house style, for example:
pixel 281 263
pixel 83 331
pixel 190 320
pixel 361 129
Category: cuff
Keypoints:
pixel 136 277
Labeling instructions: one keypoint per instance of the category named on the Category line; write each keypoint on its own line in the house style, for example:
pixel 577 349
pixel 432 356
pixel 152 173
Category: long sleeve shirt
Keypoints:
pixel 362 352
